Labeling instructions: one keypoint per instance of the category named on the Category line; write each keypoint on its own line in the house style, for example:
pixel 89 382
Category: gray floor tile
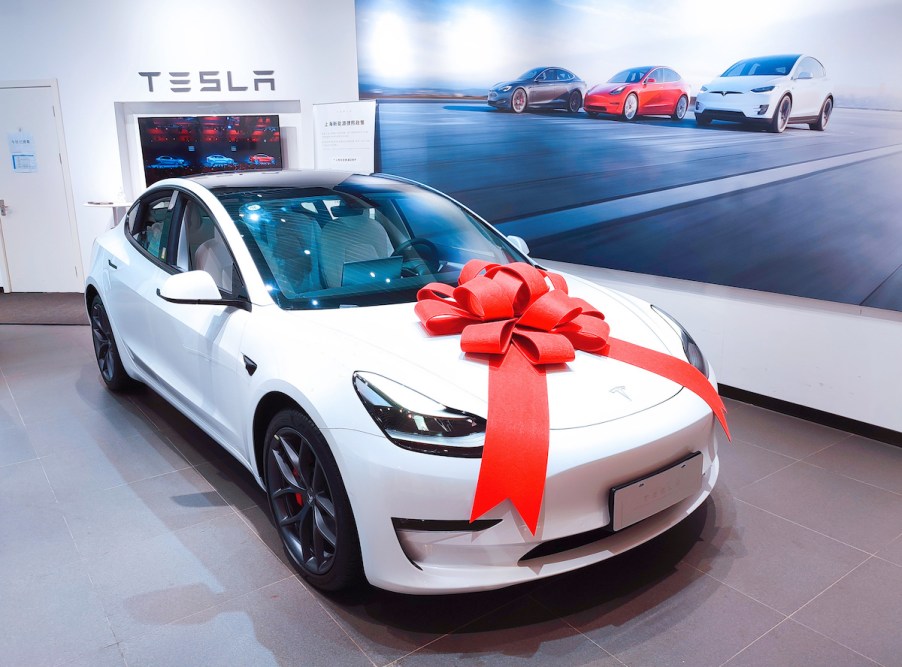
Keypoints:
pixel 107 520
pixel 281 624
pixel 258 520
pixel 845 509
pixel 109 656
pixel 863 459
pixel 742 463
pixel 768 558
pixel 14 445
pixel 153 582
pixel 84 470
pixel 34 540
pixel 24 484
pixel 512 635
pixel 60 392
pixel 785 435
pixel 862 612
pixel 51 617
pixel 893 551
pixel 234 483
pixel 9 413
pixel 664 624
pixel 792 644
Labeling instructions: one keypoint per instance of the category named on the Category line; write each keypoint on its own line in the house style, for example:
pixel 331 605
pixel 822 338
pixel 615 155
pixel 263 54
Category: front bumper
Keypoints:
pixel 393 491
pixel 499 100
pixel 603 104
pixel 743 107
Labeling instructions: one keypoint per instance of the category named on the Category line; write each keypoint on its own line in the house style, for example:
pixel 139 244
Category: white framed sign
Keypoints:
pixel 345 136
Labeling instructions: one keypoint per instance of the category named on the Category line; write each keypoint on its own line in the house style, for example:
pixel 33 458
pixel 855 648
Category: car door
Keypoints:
pixel 651 93
pixel 671 90
pixel 543 90
pixel 203 367
pixel 137 266
pixel 807 88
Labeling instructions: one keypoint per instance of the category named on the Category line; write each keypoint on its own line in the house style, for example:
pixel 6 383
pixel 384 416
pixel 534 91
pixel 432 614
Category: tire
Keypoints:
pixel 106 352
pixel 781 115
pixel 679 111
pixel 309 503
pixel 702 120
pixel 574 102
pixel 519 101
pixel 630 107
pixel 824 116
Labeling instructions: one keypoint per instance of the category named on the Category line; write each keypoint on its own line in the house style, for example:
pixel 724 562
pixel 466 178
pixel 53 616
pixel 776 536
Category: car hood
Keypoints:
pixel 606 88
pixel 390 341
pixel 743 84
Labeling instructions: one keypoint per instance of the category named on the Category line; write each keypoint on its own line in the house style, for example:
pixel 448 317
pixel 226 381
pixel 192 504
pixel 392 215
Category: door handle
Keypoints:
pixel 110 262
pixel 4 209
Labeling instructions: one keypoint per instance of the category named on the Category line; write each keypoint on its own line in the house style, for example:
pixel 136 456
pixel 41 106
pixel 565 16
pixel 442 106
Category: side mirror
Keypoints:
pixel 804 75
pixel 519 244
pixel 196 288
pixel 650 81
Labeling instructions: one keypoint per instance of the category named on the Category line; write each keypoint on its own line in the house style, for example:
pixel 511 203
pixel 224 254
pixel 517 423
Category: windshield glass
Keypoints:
pixel 629 75
pixel 363 242
pixel 770 66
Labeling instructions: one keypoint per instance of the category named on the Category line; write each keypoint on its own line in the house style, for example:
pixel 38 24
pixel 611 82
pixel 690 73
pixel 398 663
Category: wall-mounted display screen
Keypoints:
pixel 184 145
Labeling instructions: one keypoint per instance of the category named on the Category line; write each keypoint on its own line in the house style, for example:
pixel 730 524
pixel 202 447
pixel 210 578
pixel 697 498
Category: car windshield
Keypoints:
pixel 770 66
pixel 531 74
pixel 629 75
pixel 359 243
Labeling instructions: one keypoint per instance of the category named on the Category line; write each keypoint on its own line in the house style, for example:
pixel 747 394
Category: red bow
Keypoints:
pixel 512 314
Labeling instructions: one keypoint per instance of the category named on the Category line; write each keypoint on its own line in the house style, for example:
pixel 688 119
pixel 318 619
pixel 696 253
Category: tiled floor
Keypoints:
pixel 127 538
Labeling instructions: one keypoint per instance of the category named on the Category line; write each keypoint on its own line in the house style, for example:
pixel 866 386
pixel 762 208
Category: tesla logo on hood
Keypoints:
pixel 210 81
pixel 722 93
pixel 620 389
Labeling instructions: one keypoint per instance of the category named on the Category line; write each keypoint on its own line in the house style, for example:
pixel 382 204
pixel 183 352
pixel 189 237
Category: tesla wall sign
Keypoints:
pixel 210 81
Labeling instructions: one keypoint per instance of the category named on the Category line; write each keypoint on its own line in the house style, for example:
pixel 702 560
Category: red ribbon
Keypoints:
pixel 510 313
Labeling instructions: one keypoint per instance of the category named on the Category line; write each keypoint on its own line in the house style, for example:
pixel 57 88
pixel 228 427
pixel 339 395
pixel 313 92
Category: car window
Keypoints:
pixel 769 66
pixel 357 244
pixel 670 76
pixel 547 75
pixel 657 75
pixel 813 67
pixel 150 222
pixel 201 246
pixel 564 75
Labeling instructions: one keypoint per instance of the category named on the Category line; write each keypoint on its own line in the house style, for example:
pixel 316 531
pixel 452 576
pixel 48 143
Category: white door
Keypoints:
pixel 40 245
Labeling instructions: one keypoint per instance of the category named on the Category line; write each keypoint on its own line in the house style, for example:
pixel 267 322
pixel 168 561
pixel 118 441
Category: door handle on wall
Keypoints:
pixel 3 207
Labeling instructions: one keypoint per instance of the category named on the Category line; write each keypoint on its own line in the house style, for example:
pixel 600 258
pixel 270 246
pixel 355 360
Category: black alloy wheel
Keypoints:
pixel 309 503
pixel 574 102
pixel 105 351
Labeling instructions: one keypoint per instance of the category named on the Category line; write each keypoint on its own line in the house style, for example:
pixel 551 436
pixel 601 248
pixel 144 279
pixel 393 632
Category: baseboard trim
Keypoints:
pixel 854 426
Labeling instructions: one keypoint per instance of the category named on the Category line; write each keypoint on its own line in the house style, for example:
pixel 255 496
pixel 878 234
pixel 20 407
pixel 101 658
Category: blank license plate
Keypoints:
pixel 632 502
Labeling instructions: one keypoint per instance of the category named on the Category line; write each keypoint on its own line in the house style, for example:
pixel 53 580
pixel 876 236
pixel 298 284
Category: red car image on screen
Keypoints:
pixel 261 159
pixel 640 91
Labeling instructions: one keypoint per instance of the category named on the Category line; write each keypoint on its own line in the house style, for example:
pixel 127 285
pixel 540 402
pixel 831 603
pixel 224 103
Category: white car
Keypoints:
pixel 278 311
pixel 772 91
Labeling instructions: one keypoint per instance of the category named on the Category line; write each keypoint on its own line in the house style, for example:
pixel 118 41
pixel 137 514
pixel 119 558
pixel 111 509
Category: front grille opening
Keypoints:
pixel 562 544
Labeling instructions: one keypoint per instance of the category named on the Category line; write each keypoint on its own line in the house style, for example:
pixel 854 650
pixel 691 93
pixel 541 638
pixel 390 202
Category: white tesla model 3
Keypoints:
pixel 772 91
pixel 278 311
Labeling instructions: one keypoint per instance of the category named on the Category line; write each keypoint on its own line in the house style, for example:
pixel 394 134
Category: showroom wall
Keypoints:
pixel 833 357
pixel 95 49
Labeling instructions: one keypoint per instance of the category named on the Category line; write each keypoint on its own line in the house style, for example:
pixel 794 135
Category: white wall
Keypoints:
pixel 841 359
pixel 95 49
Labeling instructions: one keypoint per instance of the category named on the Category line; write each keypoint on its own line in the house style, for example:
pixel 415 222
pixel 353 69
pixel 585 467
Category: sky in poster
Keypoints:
pixel 468 45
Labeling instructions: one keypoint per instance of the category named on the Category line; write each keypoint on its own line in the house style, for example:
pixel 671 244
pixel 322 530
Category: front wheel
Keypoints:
pixel 679 111
pixel 105 350
pixel 309 503
pixel 518 101
pixel 574 102
pixel 824 116
pixel 630 106
pixel 781 115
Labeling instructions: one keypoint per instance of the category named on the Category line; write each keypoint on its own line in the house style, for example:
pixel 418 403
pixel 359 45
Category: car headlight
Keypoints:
pixel 618 90
pixel 415 422
pixel 504 89
pixel 763 89
pixel 690 347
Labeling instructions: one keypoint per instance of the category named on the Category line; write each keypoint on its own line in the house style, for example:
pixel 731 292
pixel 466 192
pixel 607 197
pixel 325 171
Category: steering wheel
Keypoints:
pixel 423 263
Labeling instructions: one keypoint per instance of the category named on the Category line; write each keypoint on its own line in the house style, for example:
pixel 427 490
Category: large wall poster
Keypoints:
pixel 805 213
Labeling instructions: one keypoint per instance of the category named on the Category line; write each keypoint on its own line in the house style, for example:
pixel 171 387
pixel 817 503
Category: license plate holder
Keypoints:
pixel 641 498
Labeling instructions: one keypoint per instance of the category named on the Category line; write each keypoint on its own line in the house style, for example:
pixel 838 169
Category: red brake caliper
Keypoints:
pixel 299 497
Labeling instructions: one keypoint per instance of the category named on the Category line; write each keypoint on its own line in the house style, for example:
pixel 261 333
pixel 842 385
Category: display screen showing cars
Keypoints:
pixel 168 162
pixel 262 158
pixel 640 91
pixel 217 160
pixel 772 91
pixel 539 88
pixel 283 312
